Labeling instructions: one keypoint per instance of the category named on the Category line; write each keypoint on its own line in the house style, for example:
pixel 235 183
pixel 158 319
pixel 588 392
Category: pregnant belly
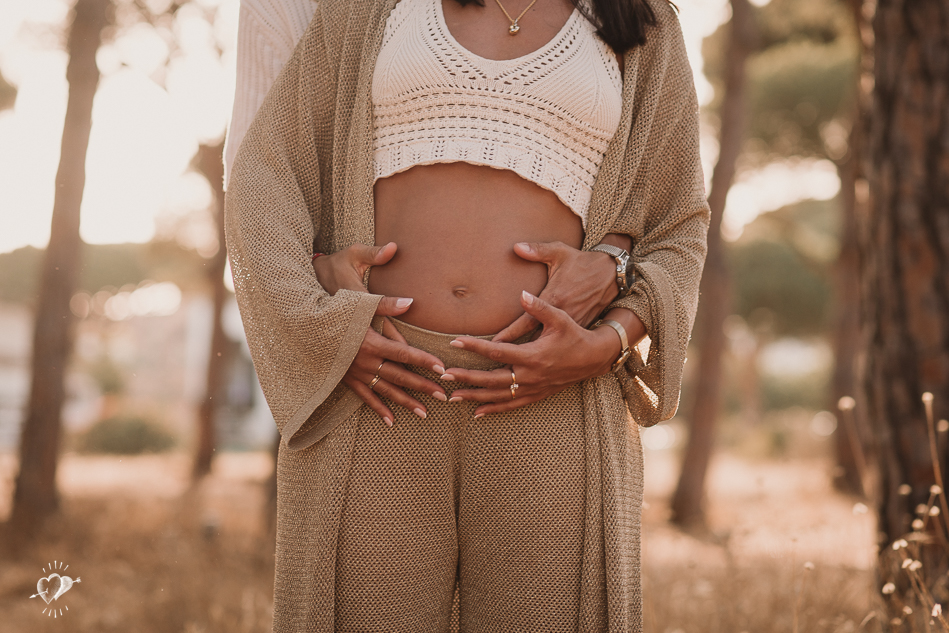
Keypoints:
pixel 455 225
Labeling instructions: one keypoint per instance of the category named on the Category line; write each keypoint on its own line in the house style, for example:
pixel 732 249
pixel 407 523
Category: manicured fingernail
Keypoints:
pixel 387 420
pixel 528 297
pixel 456 343
pixel 448 377
pixel 440 396
pixel 403 303
pixel 438 369
pixel 525 246
pixel 419 412
pixel 455 399
pixel 478 415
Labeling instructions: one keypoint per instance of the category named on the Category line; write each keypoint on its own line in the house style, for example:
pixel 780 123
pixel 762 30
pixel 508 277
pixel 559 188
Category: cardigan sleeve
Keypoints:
pixel 302 339
pixel 667 215
pixel 267 31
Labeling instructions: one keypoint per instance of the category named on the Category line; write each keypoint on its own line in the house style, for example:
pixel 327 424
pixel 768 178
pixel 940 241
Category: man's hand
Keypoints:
pixel 384 355
pixel 581 283
pixel 346 268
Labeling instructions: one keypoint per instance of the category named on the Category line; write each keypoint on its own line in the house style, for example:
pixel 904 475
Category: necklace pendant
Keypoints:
pixel 514 28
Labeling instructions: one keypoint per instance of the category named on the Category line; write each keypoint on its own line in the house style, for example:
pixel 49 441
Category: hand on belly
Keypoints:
pixel 455 225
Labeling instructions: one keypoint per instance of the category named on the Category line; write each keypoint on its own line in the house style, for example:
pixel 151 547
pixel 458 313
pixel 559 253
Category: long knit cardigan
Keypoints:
pixel 303 179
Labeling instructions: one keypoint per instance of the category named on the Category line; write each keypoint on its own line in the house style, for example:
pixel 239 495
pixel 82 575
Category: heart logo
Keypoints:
pixel 65 584
pixel 53 586
pixel 45 587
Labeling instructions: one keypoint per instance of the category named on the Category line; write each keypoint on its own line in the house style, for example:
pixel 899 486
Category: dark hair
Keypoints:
pixel 621 23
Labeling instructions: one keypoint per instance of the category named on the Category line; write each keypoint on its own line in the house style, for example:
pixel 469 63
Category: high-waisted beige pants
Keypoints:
pixel 451 523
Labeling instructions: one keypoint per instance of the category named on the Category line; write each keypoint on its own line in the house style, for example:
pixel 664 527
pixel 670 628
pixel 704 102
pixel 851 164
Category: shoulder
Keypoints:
pixel 284 20
pixel 665 45
pixel 667 30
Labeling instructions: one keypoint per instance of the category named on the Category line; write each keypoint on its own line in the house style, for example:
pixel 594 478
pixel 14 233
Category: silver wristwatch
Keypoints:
pixel 625 275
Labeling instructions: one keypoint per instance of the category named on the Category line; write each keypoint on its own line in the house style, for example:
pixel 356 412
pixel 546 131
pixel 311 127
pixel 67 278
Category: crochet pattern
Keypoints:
pixel 547 116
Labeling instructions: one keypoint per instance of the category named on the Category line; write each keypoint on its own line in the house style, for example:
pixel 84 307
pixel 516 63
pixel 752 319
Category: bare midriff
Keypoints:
pixel 455 225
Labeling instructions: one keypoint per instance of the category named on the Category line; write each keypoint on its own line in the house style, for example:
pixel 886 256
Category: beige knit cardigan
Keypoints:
pixel 303 179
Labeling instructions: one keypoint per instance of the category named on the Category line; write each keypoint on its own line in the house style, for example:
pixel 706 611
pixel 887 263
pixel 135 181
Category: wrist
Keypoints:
pixel 624 274
pixel 635 329
pixel 607 348
pixel 620 240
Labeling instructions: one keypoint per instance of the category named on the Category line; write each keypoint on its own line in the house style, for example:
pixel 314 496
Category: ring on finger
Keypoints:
pixel 514 387
pixel 513 378
pixel 377 377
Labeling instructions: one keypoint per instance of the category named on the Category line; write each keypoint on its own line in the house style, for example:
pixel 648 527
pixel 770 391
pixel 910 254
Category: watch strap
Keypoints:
pixel 623 281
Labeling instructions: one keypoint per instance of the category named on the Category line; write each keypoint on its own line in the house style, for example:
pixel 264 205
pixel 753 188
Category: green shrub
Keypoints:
pixel 126 435
pixel 809 391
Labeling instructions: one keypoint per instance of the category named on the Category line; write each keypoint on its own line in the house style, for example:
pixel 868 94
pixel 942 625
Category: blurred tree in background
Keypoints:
pixel 798 105
pixel 904 248
pixel 804 86
pixel 210 163
pixel 36 496
pixel 61 272
pixel 715 288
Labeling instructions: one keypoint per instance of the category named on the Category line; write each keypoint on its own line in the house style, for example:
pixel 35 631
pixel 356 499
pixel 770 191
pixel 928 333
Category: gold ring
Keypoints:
pixel 379 368
pixel 513 377
pixel 376 379
pixel 514 391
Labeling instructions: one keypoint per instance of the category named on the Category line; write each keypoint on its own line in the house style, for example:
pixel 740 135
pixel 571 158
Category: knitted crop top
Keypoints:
pixel 548 116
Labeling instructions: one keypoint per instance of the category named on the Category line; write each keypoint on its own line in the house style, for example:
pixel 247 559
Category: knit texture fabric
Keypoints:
pixel 547 116
pixel 423 509
pixel 303 177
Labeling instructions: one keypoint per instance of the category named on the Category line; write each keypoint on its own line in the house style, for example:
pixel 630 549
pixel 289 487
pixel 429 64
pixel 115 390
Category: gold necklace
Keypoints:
pixel 515 27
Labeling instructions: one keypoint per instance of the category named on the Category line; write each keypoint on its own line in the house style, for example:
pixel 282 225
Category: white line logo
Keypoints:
pixel 52 587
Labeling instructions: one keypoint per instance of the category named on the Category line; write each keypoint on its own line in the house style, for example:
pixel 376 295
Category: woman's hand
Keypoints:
pixel 380 354
pixel 384 355
pixel 346 268
pixel 564 354
pixel 581 283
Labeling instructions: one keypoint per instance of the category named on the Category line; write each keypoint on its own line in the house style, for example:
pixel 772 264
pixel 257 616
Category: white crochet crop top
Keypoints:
pixel 547 116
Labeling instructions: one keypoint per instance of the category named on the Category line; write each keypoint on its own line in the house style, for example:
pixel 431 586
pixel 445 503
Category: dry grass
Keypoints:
pixel 151 558
pixel 155 560
pixel 785 554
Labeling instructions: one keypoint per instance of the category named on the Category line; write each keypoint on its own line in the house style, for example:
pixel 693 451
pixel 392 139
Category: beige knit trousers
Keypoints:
pixel 456 524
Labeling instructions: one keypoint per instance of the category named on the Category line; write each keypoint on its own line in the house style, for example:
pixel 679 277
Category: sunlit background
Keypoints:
pixel 151 112
pixel 145 326
pixel 166 88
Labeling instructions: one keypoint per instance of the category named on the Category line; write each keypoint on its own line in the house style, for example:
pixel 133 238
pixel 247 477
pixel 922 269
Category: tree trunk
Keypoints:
pixel 715 288
pixel 209 163
pixel 36 496
pixel 850 443
pixel 905 282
